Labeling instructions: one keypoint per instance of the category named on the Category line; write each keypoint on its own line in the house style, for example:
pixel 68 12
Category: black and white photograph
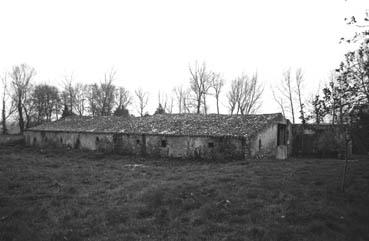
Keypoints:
pixel 169 120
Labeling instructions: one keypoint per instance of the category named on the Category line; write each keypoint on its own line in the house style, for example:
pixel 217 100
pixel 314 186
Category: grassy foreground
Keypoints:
pixel 71 195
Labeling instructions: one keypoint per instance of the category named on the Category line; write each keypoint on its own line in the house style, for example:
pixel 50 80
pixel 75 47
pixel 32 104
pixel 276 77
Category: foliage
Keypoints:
pixel 46 101
pixel 319 110
pixel 159 110
pixel 348 89
pixel 330 144
pixel 121 111
pixel 67 112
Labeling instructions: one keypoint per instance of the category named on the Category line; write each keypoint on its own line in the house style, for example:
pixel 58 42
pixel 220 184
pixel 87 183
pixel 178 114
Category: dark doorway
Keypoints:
pixel 281 135
pixel 77 144
pixel 118 143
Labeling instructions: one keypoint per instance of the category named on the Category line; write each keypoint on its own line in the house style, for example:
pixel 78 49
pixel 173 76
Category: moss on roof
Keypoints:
pixel 167 124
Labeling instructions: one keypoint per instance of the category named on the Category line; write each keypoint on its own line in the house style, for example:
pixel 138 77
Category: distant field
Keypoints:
pixel 70 195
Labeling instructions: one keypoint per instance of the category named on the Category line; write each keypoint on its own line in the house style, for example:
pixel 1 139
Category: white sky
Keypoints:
pixel 151 43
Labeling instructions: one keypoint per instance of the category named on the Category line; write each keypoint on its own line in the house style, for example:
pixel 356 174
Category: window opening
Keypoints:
pixel 163 143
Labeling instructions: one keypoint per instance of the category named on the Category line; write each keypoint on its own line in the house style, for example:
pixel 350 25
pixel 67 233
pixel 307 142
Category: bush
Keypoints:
pixel 330 144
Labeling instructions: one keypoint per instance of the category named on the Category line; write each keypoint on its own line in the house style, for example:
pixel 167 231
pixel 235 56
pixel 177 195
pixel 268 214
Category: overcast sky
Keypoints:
pixel 151 43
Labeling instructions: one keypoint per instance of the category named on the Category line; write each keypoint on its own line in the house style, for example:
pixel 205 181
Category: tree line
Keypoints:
pixel 344 95
pixel 32 104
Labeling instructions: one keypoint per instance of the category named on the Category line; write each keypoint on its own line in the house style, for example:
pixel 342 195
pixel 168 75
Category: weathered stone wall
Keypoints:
pixel 265 143
pixel 87 141
pixel 195 147
pixel 129 144
pixel 154 145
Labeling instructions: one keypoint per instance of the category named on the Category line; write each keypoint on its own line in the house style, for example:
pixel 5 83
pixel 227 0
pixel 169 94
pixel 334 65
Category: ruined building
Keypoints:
pixel 171 135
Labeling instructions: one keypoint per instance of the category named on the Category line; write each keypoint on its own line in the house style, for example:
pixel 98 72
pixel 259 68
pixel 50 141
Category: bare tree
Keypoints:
pixel 187 103
pixel 80 91
pixel 21 76
pixel 217 83
pixel 29 107
pixel 287 87
pixel 233 95
pixel 92 92
pixel 200 85
pixel 162 97
pixel 251 93
pixel 123 97
pixel 170 105
pixel 284 93
pixel 68 93
pixel 143 99
pixel 299 86
pixel 107 94
pixel 245 95
pixel 166 102
pixel 204 98
pixel 279 101
pixel 180 95
pixel 7 109
pixel 101 97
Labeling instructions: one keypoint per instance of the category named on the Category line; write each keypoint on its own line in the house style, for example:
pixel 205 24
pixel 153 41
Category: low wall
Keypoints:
pixel 321 140
pixel 11 139
pixel 141 144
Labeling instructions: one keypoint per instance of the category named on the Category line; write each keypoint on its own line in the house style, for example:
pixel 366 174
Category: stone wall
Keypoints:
pixel 322 140
pixel 265 144
pixel 154 145
pixel 195 147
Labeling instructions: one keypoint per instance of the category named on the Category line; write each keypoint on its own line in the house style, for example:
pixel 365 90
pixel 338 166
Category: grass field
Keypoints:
pixel 71 195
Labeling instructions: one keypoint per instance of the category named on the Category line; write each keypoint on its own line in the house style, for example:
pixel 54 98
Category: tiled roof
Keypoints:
pixel 167 124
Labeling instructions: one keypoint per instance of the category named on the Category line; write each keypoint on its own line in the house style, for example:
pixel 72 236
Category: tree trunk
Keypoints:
pixel 302 110
pixel 198 105
pixel 205 107
pixel 5 130
pixel 292 109
pixel 20 114
pixel 28 119
pixel 346 161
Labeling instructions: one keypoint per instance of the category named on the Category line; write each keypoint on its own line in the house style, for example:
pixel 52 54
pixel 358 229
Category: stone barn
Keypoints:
pixel 171 135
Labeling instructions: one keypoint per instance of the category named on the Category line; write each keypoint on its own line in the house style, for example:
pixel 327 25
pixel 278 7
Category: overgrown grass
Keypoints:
pixel 71 195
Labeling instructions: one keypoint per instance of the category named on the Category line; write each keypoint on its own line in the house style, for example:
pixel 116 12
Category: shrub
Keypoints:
pixel 330 144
